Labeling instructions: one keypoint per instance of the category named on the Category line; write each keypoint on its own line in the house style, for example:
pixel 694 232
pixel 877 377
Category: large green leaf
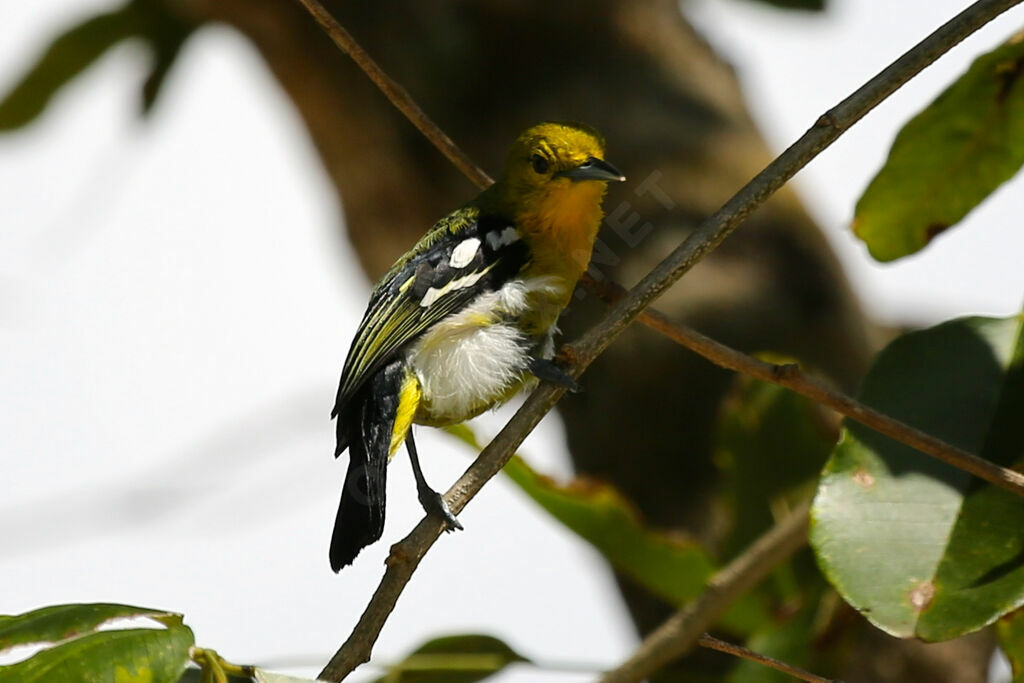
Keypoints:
pixel 66 57
pixel 948 158
pixel 670 565
pixel 1011 639
pixel 78 650
pixel 919 547
pixel 453 659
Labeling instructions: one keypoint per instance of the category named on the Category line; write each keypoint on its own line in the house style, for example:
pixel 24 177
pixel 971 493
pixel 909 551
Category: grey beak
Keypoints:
pixel 593 169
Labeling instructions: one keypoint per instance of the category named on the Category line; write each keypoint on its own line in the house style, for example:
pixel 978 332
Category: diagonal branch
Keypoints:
pixel 791 377
pixel 682 630
pixel 406 554
pixel 712 643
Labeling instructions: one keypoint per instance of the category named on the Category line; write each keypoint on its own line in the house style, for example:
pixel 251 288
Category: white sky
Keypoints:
pixel 794 67
pixel 175 307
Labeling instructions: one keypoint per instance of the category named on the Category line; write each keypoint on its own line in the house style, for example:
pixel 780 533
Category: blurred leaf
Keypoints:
pixel 453 659
pixel 193 675
pixel 948 158
pixel 215 669
pixel 921 548
pixel 1011 639
pixel 165 54
pixel 75 50
pixel 66 57
pixel 59 622
pixel 769 442
pixel 810 5
pixel 670 565
pixel 166 33
pixel 81 652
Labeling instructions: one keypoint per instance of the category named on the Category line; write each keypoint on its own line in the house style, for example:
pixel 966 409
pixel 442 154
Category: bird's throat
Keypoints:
pixel 563 223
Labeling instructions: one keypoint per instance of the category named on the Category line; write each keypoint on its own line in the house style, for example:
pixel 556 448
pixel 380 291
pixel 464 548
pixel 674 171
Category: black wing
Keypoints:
pixel 463 256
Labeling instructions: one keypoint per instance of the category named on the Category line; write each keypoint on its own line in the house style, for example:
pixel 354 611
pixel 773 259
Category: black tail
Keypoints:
pixel 366 429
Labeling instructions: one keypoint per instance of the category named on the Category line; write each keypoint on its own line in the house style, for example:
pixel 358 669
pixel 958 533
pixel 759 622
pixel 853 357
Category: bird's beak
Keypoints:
pixel 593 169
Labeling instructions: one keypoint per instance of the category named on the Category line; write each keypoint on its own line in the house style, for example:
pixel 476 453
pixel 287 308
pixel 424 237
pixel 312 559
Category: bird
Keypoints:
pixel 467 318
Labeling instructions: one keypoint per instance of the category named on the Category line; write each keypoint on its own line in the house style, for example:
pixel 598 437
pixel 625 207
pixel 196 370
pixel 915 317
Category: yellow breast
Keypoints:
pixel 561 225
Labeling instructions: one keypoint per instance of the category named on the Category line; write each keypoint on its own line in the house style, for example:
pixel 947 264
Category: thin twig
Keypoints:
pixel 406 554
pixel 791 377
pixel 680 632
pixel 397 94
pixel 712 643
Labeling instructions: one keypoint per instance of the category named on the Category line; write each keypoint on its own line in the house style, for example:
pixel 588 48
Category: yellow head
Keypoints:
pixel 551 155
pixel 553 184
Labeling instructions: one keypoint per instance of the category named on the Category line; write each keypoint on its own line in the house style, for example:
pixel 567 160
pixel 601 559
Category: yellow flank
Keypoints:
pixel 408 401
pixel 480 319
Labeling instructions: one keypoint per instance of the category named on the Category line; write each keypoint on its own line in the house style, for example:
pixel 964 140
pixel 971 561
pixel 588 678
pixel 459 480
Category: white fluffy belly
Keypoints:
pixel 463 372
pixel 478 357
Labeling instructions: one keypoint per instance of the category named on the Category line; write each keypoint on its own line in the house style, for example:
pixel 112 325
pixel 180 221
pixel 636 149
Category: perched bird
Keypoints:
pixel 466 318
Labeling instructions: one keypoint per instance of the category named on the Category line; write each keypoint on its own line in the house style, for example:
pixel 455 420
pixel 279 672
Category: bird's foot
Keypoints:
pixel 547 371
pixel 433 504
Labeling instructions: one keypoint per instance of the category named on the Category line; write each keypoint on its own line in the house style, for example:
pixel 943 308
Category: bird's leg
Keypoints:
pixel 431 500
pixel 546 370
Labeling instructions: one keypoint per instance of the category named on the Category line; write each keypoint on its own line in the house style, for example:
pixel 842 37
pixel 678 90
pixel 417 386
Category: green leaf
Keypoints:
pixel 60 622
pixel 670 565
pixel 769 443
pixel 66 57
pixel 81 652
pixel 453 659
pixel 948 158
pixel 919 547
pixel 194 675
pixel 1011 639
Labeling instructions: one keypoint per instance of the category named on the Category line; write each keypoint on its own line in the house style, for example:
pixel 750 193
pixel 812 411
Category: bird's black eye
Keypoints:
pixel 540 164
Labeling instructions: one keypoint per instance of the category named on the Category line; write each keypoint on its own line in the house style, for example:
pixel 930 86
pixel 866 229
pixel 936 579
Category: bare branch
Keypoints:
pixel 406 554
pixel 396 94
pixel 682 630
pixel 713 643
pixel 791 377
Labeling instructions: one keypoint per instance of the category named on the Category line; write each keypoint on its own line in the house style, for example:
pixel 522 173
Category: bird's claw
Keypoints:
pixel 433 504
pixel 548 371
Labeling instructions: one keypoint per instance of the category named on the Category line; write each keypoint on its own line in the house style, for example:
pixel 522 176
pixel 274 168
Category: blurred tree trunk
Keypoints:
pixel 676 123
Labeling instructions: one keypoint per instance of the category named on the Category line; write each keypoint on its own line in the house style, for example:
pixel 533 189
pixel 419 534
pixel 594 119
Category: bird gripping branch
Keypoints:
pixel 467 318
